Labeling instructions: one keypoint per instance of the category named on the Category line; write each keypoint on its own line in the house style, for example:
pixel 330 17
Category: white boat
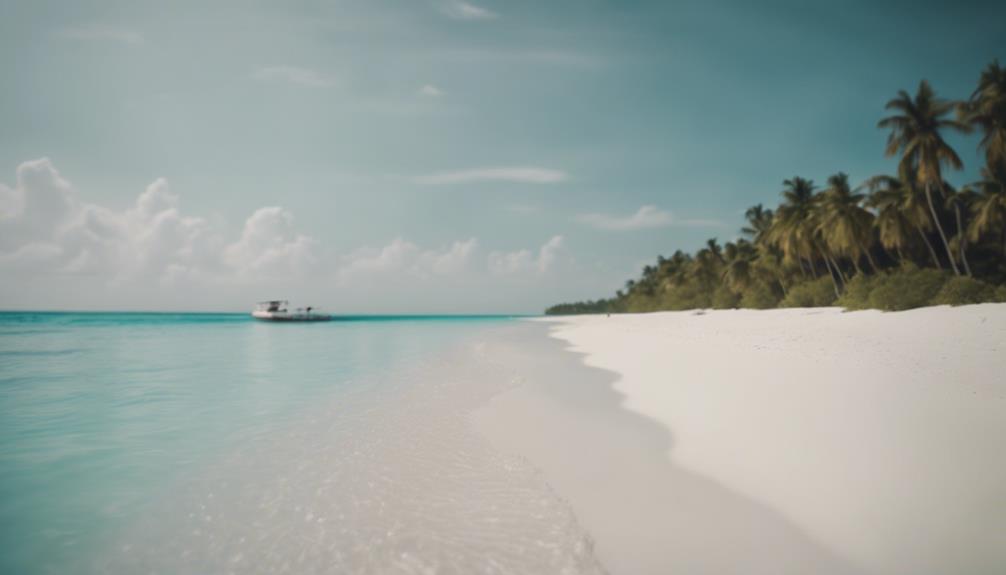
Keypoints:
pixel 278 310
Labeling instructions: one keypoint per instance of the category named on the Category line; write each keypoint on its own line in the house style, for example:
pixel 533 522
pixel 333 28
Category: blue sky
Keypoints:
pixel 417 156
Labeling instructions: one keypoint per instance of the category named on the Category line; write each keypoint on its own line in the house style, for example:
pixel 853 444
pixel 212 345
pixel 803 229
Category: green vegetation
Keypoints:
pixel 909 288
pixel 894 242
pixel 964 290
pixel 814 293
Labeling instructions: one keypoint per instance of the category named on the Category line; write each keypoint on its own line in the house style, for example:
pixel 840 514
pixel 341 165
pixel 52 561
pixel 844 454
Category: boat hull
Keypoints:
pixel 285 316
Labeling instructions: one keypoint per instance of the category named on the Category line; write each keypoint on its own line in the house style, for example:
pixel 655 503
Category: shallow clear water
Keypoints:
pixel 124 436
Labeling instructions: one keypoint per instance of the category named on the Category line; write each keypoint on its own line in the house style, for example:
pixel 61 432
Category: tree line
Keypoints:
pixel 894 241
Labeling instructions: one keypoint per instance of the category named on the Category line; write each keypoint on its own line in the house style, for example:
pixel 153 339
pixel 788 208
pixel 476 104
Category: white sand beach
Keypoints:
pixel 782 441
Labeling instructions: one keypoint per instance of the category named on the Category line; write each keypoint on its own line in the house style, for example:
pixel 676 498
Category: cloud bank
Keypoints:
pixel 45 227
pixel 524 261
pixel 403 258
pixel 58 250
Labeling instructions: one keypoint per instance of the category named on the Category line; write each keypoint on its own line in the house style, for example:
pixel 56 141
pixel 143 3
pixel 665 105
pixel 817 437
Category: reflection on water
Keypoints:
pixel 183 444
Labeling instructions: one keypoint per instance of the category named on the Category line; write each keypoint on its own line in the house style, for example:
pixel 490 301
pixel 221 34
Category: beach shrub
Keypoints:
pixel 1001 294
pixel 641 303
pixel 909 287
pixel 814 293
pixel 857 292
pixel 688 296
pixel 725 298
pixel 759 296
pixel 964 290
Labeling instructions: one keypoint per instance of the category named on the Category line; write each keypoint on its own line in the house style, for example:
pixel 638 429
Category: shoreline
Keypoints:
pixel 792 441
pixel 801 440
pixel 645 514
pixel 385 476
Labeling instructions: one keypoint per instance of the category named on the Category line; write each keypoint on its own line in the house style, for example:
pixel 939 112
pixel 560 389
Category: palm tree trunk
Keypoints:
pixel 962 243
pixel 873 264
pixel 834 264
pixel 932 252
pixel 841 274
pixel 901 256
pixel 834 284
pixel 939 228
pixel 831 274
pixel 855 265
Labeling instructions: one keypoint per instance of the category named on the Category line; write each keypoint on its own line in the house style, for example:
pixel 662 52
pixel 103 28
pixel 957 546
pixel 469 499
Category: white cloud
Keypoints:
pixel 646 217
pixel 42 201
pixel 431 91
pixel 57 250
pixel 46 227
pixel 9 202
pixel 100 32
pixel 294 75
pixel 460 10
pixel 149 239
pixel 524 261
pixel 403 258
pixel 269 246
pixel 451 260
pixel 524 175
pixel 548 253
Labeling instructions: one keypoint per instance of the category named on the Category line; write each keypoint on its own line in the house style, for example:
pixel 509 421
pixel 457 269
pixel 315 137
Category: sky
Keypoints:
pixel 434 156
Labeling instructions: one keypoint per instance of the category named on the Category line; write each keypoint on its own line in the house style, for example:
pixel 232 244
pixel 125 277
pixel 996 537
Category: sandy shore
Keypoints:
pixel 784 441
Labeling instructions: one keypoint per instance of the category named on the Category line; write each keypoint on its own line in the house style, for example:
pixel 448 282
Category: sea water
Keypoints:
pixel 212 443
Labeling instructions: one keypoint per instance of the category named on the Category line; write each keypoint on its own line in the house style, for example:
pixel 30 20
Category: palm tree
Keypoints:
pixel 959 200
pixel 706 268
pixel 986 109
pixel 915 133
pixel 648 282
pixel 794 228
pixel 674 270
pixel 738 273
pixel 989 207
pixel 791 228
pixel 763 260
pixel 770 268
pixel 845 226
pixel 893 228
pixel 899 199
pixel 759 222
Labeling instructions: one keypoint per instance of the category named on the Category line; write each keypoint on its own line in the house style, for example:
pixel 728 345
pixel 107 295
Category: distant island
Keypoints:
pixel 893 242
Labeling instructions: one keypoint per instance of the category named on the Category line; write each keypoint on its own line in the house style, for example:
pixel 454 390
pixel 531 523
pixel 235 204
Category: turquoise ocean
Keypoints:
pixel 104 415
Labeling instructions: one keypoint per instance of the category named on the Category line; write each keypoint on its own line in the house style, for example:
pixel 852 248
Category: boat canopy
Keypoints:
pixel 272 305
